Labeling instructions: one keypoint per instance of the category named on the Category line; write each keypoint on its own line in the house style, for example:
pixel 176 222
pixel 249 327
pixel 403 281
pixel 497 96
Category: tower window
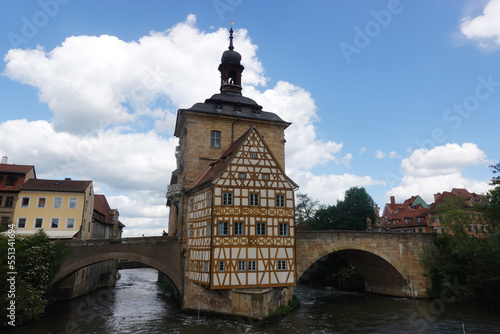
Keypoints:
pixel 215 139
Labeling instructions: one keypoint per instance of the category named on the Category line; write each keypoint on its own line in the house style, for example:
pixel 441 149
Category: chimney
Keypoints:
pixel 393 200
pixel 436 196
pixel 4 159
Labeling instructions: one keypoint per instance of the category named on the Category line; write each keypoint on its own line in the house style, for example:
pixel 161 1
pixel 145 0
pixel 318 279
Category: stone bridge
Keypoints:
pixel 162 253
pixel 389 262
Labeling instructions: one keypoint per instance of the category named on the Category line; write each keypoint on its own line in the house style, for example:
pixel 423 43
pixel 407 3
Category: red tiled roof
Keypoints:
pixel 101 205
pixel 220 165
pixel 20 169
pixel 56 185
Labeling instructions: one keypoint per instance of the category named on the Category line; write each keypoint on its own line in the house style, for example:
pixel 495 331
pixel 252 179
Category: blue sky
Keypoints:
pixel 399 97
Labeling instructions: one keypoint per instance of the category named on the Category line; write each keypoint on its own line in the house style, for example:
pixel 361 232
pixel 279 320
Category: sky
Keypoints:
pixel 399 97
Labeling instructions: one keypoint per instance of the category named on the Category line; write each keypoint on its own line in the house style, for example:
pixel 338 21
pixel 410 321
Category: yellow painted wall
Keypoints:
pixel 82 213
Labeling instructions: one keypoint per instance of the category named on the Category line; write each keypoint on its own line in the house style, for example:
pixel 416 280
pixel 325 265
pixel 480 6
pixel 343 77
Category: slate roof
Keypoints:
pixel 229 104
pixel 66 185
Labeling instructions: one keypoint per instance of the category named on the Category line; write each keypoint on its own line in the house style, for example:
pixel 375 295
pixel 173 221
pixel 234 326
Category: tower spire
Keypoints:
pixel 231 47
pixel 230 68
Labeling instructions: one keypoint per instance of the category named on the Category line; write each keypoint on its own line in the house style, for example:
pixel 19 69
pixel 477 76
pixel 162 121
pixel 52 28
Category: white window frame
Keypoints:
pixel 260 228
pixel 252 265
pixel 19 222
pixel 52 220
pixel 22 199
pixel 73 203
pixel 239 228
pixel 227 198
pixel 44 203
pixel 280 201
pixel 34 223
pixel 283 229
pixel 223 229
pixel 68 222
pixel 241 265
pixel 254 199
pixel 60 204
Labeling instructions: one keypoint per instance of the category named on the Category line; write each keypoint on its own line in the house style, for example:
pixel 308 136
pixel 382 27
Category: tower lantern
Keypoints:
pixel 230 69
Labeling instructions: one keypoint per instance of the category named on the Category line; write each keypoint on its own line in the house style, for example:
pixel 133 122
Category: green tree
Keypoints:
pixel 305 209
pixel 349 214
pixel 37 261
pixel 465 260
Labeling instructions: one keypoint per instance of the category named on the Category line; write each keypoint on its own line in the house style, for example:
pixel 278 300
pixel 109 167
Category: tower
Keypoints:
pixel 231 203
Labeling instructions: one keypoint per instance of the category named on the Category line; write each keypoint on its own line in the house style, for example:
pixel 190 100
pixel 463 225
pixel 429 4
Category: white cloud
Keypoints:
pixel 427 172
pixel 362 150
pixel 485 26
pixel 379 154
pixel 327 189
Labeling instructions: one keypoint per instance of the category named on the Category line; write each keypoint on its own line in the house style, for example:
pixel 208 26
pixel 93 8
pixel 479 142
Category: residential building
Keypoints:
pixel 12 178
pixel 105 220
pixel 62 208
pixel 463 197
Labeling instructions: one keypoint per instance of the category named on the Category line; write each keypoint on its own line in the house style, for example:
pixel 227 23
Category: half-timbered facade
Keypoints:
pixel 231 203
pixel 241 220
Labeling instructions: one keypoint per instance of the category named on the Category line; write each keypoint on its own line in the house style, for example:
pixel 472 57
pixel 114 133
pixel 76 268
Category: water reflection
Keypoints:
pixel 136 305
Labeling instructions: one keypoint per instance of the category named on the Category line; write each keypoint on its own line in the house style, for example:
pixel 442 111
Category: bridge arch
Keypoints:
pixel 388 262
pixel 161 254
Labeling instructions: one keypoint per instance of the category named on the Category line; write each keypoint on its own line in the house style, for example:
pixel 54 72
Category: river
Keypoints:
pixel 136 305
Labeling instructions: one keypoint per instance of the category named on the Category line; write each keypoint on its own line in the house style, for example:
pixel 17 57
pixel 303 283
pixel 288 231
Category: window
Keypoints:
pixel 254 199
pixel 191 230
pixel 1 197
pixel 221 265
pixel 239 228
pixel 206 267
pixel 227 199
pixel 9 201
pixel 420 230
pixel 215 139
pixel 11 180
pixel 70 222
pixel 25 202
pixel 242 175
pixel 191 204
pixel 241 265
pixel 73 202
pixel 209 229
pixel 223 228
pixel 251 265
pixel 54 223
pixel 57 202
pixel 281 265
pixel 265 177
pixel 38 222
pixel 253 155
pixel 5 222
pixel 407 220
pixel 209 199
pixel 21 223
pixel 41 202
pixel 419 219
pixel 261 228
pixel 280 201
pixel 283 229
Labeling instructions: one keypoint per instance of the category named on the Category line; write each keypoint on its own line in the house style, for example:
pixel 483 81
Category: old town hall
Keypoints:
pixel 231 203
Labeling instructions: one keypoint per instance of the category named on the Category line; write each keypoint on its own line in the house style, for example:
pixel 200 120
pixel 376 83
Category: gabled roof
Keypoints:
pixel 410 213
pixel 101 206
pixel 66 185
pixel 219 166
